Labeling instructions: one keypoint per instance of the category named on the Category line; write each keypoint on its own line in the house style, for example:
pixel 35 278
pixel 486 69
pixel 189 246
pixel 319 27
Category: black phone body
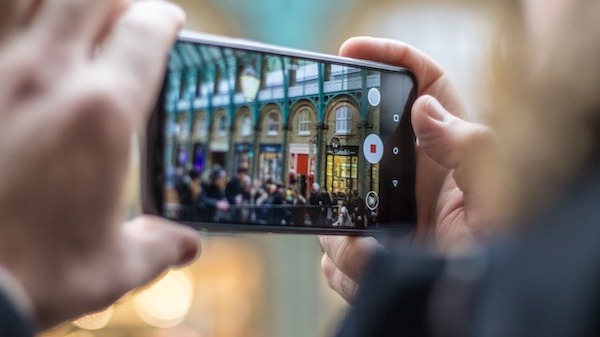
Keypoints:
pixel 252 137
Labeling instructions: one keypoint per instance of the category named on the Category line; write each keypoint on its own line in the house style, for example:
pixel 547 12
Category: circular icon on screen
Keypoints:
pixel 373 148
pixel 372 200
pixel 374 96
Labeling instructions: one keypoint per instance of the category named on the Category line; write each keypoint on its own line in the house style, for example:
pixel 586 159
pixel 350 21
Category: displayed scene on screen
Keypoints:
pixel 256 138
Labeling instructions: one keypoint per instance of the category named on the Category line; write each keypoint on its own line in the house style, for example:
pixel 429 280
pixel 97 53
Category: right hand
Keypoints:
pixel 447 217
pixel 78 78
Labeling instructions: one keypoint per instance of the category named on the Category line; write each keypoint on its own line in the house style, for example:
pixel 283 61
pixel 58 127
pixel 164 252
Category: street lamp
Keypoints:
pixel 250 82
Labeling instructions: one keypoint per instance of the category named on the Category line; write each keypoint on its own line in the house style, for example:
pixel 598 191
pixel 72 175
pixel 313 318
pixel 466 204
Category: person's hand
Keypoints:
pixel 447 216
pixel 222 205
pixel 78 78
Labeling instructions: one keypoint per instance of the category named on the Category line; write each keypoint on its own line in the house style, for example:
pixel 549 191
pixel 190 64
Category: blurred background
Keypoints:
pixel 255 285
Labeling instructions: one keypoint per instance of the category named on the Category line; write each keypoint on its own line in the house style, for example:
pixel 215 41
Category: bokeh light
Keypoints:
pixel 165 303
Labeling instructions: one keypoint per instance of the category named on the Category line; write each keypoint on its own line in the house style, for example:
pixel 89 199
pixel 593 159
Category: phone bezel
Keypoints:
pixel 153 144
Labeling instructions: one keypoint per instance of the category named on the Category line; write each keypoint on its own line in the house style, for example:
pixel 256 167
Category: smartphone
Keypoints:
pixel 252 137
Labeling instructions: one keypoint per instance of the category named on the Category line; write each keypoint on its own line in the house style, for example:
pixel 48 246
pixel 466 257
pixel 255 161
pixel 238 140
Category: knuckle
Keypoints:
pixel 342 251
pixel 327 268
pixel 97 120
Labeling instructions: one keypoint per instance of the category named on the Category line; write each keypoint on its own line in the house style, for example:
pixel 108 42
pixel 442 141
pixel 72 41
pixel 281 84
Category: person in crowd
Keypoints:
pixel 236 193
pixel 197 208
pixel 195 184
pixel 298 204
pixel 182 187
pixel 357 209
pixel 326 203
pixel 258 196
pixel 314 201
pixel 344 219
pixel 213 196
pixel 275 204
pixel 235 190
pixel 188 189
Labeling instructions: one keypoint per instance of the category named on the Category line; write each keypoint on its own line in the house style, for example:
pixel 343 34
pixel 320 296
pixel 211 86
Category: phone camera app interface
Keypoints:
pixel 263 139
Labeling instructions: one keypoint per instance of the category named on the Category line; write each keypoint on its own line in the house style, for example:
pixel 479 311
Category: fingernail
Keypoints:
pixel 189 255
pixel 435 110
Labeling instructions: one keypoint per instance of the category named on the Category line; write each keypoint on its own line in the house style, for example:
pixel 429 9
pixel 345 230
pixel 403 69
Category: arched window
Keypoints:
pixel 343 120
pixel 201 128
pixel 222 125
pixel 181 129
pixel 246 126
pixel 273 123
pixel 304 122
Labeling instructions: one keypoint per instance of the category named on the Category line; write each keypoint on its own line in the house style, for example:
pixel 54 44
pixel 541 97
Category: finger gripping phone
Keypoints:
pixel 252 137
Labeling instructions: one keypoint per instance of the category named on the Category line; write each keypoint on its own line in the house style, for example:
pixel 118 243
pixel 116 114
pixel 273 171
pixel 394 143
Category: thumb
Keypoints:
pixel 450 141
pixel 153 245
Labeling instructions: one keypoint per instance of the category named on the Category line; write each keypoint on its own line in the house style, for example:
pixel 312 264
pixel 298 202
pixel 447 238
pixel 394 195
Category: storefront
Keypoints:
pixel 302 167
pixel 270 161
pixel 243 157
pixel 341 175
pixel 218 154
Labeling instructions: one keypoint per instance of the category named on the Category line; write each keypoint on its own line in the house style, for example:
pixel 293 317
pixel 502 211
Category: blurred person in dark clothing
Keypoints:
pixel 188 190
pixel 275 202
pixel 235 190
pixel 357 209
pixel 237 193
pixel 213 196
pixel 325 202
pixel 182 186
pixel 298 212
pixel 314 201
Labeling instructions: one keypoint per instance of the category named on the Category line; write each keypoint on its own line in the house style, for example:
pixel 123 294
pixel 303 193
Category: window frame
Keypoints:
pixel 245 125
pixel 222 122
pixel 269 123
pixel 343 120
pixel 304 120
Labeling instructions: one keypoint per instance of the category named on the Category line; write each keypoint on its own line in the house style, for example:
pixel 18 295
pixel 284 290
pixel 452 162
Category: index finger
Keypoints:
pixel 396 53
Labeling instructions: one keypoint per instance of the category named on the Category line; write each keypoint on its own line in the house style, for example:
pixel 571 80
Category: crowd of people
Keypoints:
pixel 215 197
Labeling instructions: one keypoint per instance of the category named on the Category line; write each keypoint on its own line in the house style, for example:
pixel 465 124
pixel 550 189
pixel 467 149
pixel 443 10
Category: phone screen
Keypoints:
pixel 278 140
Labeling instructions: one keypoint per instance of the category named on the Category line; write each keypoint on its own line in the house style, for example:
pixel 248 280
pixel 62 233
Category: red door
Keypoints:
pixel 302 164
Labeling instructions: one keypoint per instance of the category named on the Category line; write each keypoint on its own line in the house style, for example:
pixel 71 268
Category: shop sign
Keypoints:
pixel 242 148
pixel 270 148
pixel 343 150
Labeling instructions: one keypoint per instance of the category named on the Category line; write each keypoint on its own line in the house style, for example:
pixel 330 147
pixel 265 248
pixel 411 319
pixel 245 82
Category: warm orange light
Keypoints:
pixel 165 303
pixel 95 321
